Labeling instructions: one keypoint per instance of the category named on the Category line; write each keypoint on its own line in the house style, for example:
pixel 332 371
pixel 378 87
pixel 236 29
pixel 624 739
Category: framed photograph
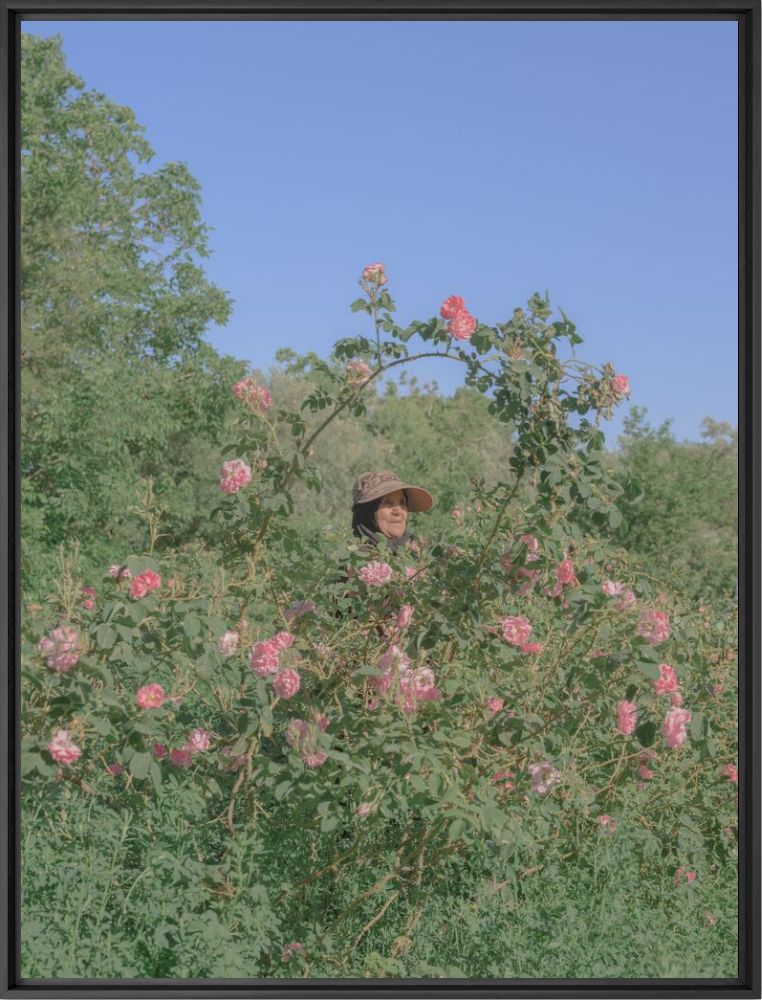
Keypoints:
pixel 381 501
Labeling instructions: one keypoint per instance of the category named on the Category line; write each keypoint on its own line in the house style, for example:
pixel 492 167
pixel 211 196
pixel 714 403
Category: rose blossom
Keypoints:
pixel 63 749
pixel 227 644
pixel 144 582
pixel 516 629
pixel 531 648
pixel 495 705
pixel 451 306
pixel 544 777
pixel 462 325
pixel 282 640
pixel 296 947
pixel 114 570
pixel 60 648
pixel 180 758
pixel 364 809
pixel 358 373
pixel 286 683
pixel 375 574
pixel 198 739
pixel 673 727
pixel 234 475
pixel 627 600
pixel 565 573
pixel 683 873
pixel 607 824
pixel 374 274
pixel 115 769
pixel 404 615
pixel 653 626
pixel 264 658
pixel 730 771
pixel 667 681
pixel 532 546
pixel 626 716
pixel 160 750
pixel 620 385
pixel 611 588
pixel 150 696
pixel 254 397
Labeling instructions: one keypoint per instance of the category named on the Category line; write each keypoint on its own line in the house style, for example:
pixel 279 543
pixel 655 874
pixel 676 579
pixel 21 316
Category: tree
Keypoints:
pixel 114 308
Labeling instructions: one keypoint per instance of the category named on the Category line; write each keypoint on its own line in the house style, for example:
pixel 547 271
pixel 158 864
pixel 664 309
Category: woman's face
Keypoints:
pixel 391 515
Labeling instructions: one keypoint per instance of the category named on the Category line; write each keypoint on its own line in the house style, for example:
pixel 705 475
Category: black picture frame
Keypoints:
pixel 747 15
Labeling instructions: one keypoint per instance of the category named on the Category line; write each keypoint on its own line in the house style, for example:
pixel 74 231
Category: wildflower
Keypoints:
pixel 626 716
pixel 683 873
pixel 115 769
pixel 150 696
pixel 375 574
pixel 114 570
pixel 364 809
pixel 63 749
pixel 531 648
pixel 673 727
pixel 160 750
pixel 607 824
pixel 611 588
pixel 282 640
pixel 234 475
pixel 227 644
pixel 144 583
pixel 494 705
pixel 620 385
pixel 286 683
pixel 627 600
pixel 653 626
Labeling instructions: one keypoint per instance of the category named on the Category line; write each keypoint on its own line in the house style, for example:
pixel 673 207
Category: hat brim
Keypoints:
pixel 418 500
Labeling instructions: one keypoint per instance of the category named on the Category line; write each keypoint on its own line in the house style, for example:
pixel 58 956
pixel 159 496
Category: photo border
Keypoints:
pixel 747 14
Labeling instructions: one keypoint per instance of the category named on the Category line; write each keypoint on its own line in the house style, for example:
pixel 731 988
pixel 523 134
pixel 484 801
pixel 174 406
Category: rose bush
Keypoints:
pixel 371 725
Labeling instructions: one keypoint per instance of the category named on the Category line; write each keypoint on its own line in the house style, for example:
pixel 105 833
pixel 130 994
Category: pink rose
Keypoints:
pixel 138 587
pixel 532 546
pixel 683 873
pixel 255 397
pixel 607 824
pixel 565 573
pixel 264 658
pixel 404 615
pixel 494 705
pixel 364 809
pixel 60 648
pixel 286 683
pixel 282 640
pixel 150 696
pixel 612 588
pixel 114 570
pixel 198 739
pixel 451 306
pixel 180 758
pixel 228 643
pixel 667 681
pixel 160 750
pixel 653 626
pixel 516 629
pixel 115 769
pixel 234 475
pixel 358 373
pixel 375 574
pixel 620 385
pixel 531 648
pixel 152 580
pixel 627 600
pixel 296 947
pixel 626 716
pixel 544 777
pixel 673 727
pixel 462 326
pixel 63 749
pixel 730 771
pixel 374 274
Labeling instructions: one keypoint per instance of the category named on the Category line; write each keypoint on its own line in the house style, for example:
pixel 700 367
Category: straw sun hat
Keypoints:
pixel 372 485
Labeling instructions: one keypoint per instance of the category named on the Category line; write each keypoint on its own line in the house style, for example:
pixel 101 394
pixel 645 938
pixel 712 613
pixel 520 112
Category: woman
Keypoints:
pixel 381 503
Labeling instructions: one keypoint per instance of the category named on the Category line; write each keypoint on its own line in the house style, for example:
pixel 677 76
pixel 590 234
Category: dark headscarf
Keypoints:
pixel 365 525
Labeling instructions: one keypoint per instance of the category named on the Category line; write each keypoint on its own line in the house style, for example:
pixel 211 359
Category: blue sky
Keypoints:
pixel 595 160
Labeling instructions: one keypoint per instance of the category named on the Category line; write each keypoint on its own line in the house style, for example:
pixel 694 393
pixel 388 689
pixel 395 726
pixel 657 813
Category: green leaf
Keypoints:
pixel 140 764
pixel 105 636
